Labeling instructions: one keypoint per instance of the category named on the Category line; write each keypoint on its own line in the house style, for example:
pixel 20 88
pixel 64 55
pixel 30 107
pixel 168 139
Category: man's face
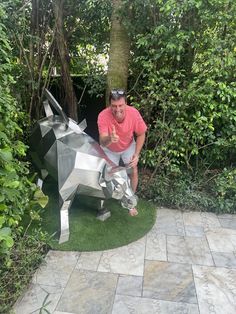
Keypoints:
pixel 118 109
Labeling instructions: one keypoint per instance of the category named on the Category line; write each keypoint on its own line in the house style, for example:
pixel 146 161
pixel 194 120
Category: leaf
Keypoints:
pixel 3 136
pixel 5 232
pixel 5 154
pixel 3 207
pixel 2 220
pixel 41 198
pixel 12 184
pixel 6 240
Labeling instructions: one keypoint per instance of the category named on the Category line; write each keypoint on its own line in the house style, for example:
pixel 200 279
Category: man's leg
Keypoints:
pixel 133 173
pixel 113 156
pixel 134 178
pixel 126 157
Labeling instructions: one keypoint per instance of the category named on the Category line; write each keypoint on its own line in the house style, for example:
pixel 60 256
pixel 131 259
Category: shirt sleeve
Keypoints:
pixel 140 125
pixel 102 124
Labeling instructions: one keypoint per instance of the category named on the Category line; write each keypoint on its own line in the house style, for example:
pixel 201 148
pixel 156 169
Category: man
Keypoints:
pixel 117 126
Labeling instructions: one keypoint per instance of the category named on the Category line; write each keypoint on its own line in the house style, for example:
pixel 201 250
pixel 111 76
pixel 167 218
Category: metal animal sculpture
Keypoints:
pixel 61 148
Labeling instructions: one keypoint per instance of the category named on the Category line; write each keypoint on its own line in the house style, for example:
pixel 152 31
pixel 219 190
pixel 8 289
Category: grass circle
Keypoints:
pixel 87 233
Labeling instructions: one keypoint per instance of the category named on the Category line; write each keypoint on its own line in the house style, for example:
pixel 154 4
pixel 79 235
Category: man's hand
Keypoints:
pixel 114 137
pixel 134 161
pixel 133 212
pixel 107 139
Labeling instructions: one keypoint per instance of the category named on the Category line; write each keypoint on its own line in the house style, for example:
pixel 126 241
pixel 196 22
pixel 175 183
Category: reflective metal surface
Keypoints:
pixel 61 148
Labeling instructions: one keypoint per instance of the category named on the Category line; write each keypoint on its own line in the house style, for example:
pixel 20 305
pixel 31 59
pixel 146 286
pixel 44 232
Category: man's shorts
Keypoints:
pixel 125 155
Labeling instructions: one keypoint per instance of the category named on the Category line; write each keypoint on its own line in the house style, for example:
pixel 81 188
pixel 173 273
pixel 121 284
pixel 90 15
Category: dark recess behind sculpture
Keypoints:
pixel 89 107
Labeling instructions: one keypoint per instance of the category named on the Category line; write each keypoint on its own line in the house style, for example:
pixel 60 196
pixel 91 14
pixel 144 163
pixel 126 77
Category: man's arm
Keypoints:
pixel 139 144
pixel 140 139
pixel 104 140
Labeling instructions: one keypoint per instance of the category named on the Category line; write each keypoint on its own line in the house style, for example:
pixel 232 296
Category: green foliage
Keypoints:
pixel 226 190
pixel 31 28
pixel 89 42
pixel 211 191
pixel 18 194
pixel 25 256
pixel 186 88
pixel 19 254
pixel 184 84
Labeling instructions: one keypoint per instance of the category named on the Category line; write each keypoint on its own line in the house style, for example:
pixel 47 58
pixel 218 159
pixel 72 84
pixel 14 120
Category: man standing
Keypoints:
pixel 117 126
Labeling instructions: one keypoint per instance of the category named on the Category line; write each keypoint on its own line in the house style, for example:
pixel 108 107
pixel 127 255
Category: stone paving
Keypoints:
pixel 185 264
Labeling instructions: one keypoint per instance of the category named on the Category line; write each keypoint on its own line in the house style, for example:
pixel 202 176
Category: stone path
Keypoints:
pixel 185 264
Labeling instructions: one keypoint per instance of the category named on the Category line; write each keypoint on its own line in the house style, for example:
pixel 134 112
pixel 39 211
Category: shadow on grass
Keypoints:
pixel 87 233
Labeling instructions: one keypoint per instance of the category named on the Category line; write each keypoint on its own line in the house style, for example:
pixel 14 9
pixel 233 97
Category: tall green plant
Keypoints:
pixel 16 190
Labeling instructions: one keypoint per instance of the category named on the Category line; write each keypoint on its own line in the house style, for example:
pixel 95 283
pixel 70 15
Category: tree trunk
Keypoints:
pixel 119 53
pixel 70 97
pixel 190 22
pixel 33 108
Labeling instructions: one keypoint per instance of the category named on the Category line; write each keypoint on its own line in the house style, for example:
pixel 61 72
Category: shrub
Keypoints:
pixel 185 58
pixel 25 256
pixel 205 191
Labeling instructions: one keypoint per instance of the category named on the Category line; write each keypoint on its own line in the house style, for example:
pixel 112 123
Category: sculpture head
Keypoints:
pixel 117 184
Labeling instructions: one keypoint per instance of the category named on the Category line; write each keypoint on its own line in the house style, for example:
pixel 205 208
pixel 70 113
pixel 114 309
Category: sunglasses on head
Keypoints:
pixel 117 92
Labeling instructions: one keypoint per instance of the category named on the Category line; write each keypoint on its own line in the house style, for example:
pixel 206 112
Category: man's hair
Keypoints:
pixel 116 94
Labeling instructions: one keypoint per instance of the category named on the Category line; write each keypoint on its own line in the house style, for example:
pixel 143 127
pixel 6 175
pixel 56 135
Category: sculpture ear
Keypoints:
pixel 47 108
pixel 83 125
pixel 56 106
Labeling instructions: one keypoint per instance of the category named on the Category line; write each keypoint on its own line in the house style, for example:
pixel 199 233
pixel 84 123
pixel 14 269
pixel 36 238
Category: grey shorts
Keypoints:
pixel 125 155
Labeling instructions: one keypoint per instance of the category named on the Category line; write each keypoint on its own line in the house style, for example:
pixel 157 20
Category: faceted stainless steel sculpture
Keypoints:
pixel 61 148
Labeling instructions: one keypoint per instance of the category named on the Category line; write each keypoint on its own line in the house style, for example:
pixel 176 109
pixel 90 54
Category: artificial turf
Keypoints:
pixel 87 233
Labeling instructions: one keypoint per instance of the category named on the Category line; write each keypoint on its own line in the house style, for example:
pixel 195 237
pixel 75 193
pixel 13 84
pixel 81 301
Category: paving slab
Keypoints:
pixel 169 282
pixel 127 305
pixel 227 216
pixel 222 259
pixel 88 292
pixel 216 289
pixel 59 312
pixel 130 285
pixel 191 250
pixel 89 260
pixel 156 246
pixel 56 269
pixel 127 260
pixel 169 221
pixel 207 221
pixel 222 240
pixel 36 297
pixel 194 231
pixel 228 223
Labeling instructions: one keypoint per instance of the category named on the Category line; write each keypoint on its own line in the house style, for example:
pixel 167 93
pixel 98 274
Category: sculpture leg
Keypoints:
pixel 65 202
pixel 103 213
pixel 64 217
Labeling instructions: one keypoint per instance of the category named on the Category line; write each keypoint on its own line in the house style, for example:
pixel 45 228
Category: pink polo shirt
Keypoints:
pixel 132 124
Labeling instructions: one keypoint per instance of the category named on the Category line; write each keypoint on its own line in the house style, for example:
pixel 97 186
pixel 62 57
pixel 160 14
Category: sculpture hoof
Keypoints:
pixel 64 238
pixel 103 215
